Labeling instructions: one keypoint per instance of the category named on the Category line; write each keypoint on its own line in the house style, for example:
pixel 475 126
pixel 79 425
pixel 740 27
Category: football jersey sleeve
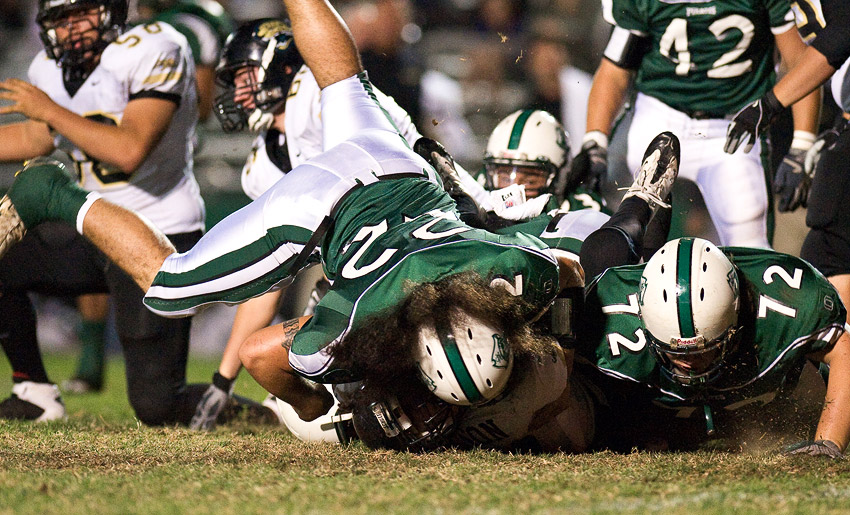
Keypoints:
pixel 164 69
pixel 781 16
pixel 626 14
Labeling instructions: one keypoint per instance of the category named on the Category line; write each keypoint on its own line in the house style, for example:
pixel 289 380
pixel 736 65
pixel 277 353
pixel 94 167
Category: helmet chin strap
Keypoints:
pixel 260 121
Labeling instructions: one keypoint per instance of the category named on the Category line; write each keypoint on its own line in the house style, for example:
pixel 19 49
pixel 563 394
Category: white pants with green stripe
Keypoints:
pixel 257 248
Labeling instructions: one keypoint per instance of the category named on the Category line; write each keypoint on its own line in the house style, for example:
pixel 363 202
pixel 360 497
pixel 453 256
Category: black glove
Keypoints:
pixel 751 121
pixel 438 157
pixel 792 183
pixel 815 448
pixel 590 167
pixel 212 402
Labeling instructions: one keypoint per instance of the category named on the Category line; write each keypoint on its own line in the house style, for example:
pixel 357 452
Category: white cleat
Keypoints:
pixel 39 402
pixel 658 171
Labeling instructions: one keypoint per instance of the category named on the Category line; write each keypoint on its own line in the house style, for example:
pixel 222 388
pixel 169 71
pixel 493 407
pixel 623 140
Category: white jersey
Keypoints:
pixel 540 405
pixel 148 61
pixel 303 137
pixel 840 86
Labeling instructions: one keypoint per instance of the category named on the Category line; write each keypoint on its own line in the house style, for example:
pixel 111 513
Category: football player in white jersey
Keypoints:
pixel 122 104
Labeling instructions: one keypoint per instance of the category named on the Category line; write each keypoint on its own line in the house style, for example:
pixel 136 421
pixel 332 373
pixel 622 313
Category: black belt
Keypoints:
pixel 704 115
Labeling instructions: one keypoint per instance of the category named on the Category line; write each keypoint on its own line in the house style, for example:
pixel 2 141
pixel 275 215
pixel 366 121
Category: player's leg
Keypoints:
pixel 620 240
pixel 93 309
pixel 51 259
pixel 827 246
pixel 736 195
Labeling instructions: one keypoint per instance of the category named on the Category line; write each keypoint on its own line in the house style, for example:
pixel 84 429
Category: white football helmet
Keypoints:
pixel 528 147
pixel 469 363
pixel 331 427
pixel 689 299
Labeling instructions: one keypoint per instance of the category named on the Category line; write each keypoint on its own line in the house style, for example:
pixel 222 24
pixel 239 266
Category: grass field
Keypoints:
pixel 102 461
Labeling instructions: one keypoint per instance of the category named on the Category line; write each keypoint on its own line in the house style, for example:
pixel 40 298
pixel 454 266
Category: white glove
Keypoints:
pixel 510 203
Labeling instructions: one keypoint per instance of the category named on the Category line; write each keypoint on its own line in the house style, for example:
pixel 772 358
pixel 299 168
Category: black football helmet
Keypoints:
pixel 77 53
pixel 414 422
pixel 267 45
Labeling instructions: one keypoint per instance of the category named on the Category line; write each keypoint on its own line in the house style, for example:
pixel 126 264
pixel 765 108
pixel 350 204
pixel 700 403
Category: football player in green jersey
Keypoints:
pixel 694 65
pixel 530 148
pixel 720 333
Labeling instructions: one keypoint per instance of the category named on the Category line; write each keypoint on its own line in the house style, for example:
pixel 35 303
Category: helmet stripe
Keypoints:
pixel 459 369
pixel 519 125
pixel 683 283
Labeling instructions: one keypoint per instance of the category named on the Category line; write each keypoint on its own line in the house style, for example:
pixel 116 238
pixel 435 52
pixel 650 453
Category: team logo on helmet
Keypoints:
pixel 732 278
pixel 429 383
pixel 501 356
pixel 271 28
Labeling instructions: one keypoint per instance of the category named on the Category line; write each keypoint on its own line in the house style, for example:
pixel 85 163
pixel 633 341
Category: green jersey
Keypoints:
pixel 713 56
pixel 204 23
pixel 375 255
pixel 788 310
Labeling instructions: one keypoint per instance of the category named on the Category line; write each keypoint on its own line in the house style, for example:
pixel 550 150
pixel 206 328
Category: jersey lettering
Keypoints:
pixel 87 165
pixel 350 271
pixel 675 39
pixel 615 340
pixel 793 281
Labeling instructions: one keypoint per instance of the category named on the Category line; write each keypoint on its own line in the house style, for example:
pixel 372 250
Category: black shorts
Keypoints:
pixel 827 246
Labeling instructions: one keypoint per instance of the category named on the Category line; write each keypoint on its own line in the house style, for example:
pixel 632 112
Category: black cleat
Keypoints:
pixel 39 402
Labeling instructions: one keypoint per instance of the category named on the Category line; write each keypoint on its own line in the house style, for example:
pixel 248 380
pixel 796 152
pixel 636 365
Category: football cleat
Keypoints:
pixel 11 226
pixel 658 171
pixel 39 402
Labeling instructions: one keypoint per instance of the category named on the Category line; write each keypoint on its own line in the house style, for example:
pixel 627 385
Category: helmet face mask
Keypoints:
pixel 689 298
pixel 415 423
pixel 75 32
pixel 527 147
pixel 257 65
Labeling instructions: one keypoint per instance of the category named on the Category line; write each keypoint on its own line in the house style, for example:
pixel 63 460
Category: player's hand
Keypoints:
pixel 211 403
pixel 26 99
pixel 590 166
pixel 792 184
pixel 826 448
pixel 750 122
pixel 825 141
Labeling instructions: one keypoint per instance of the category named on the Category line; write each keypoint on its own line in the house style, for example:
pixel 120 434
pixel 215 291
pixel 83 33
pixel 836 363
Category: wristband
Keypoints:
pixel 222 383
pixel 803 140
pixel 597 137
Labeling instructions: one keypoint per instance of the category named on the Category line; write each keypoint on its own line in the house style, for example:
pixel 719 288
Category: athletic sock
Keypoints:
pixel 19 338
pixel 91 364
pixel 44 191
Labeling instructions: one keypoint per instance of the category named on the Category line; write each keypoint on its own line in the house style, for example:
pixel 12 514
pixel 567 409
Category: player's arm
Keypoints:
pixel 265 355
pixel 323 41
pixel 253 315
pixel 205 80
pixel 24 140
pixel 126 145
pixel 834 424
pixel 807 111
pixel 607 95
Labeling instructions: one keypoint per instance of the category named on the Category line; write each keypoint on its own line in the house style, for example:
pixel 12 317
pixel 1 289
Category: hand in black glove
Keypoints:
pixel 791 183
pixel 590 166
pixel 815 448
pixel 751 121
pixel 438 157
pixel 211 403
